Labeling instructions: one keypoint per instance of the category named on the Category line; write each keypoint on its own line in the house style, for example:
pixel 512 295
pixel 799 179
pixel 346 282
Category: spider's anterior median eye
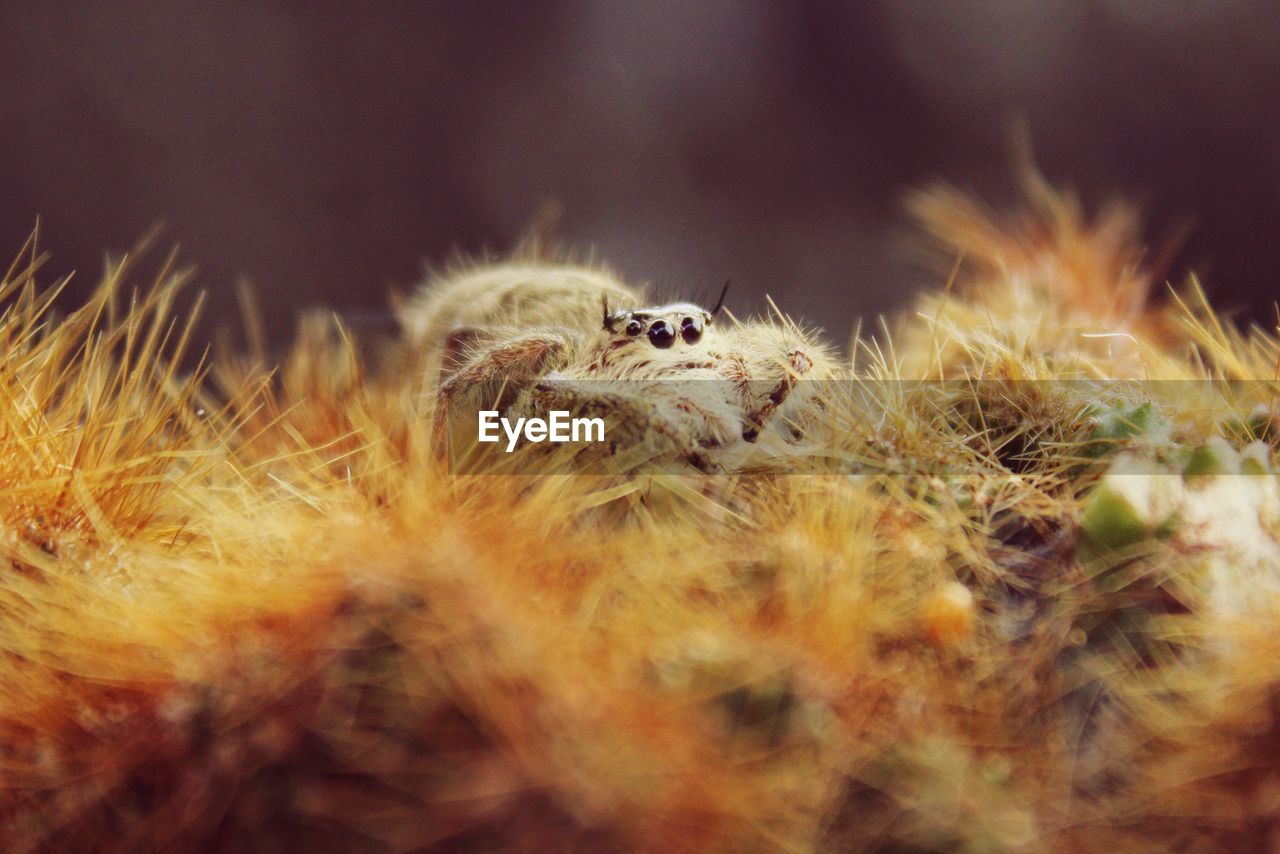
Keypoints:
pixel 690 330
pixel 661 335
pixel 634 328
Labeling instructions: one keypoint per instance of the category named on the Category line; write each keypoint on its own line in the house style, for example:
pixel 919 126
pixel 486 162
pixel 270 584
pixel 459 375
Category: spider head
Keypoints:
pixel 663 325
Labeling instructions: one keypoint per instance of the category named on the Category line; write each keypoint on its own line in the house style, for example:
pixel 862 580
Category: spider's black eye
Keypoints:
pixel 690 330
pixel 661 335
pixel 634 328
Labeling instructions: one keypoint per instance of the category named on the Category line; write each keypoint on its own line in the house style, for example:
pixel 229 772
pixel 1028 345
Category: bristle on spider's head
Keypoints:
pixel 609 319
pixel 720 302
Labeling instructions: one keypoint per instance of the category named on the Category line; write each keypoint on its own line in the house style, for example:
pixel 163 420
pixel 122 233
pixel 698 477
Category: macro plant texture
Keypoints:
pixel 1010 582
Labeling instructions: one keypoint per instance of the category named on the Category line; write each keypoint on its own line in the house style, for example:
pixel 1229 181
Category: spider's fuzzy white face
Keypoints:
pixel 680 324
pixel 677 325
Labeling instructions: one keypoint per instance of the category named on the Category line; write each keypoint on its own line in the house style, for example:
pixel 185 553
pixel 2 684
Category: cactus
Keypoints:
pixel 976 603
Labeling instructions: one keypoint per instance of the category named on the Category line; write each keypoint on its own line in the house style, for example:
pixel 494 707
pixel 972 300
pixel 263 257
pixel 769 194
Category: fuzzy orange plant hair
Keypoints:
pixel 247 608
pixel 1094 266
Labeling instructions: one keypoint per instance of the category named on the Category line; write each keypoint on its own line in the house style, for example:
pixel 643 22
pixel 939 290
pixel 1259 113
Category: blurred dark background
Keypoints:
pixel 325 151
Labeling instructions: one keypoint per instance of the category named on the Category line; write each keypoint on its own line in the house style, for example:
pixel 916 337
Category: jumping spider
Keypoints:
pixel 519 338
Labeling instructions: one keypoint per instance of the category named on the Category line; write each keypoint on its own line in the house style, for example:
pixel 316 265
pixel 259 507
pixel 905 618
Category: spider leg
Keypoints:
pixel 795 366
pixel 491 375
pixel 771 365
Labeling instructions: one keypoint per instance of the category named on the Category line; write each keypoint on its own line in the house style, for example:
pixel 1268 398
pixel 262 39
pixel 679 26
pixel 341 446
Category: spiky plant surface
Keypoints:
pixel 245 609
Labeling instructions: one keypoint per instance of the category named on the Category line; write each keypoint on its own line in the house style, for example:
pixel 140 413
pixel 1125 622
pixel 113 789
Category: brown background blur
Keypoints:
pixel 325 151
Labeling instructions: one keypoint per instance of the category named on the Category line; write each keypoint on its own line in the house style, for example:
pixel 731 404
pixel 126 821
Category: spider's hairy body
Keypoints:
pixel 531 338
pixel 484 305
